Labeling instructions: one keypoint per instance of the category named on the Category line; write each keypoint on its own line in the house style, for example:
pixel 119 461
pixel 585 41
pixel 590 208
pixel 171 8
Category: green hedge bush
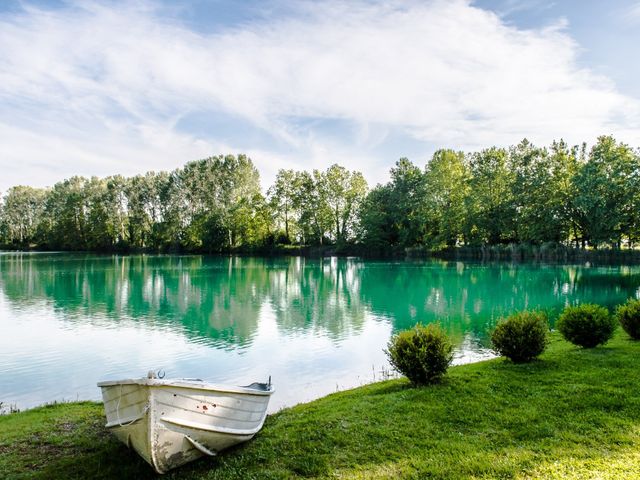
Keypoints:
pixel 423 354
pixel 586 325
pixel 629 317
pixel 521 337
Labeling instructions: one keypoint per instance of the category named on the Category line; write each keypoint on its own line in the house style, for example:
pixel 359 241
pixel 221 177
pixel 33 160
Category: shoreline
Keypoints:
pixel 385 372
pixel 571 414
pixel 514 253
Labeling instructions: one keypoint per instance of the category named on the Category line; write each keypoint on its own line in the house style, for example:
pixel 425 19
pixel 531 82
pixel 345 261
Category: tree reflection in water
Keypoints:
pixel 220 299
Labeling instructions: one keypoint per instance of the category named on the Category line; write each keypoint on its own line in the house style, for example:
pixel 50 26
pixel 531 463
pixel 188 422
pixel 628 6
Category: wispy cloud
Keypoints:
pixel 633 13
pixel 98 89
pixel 510 7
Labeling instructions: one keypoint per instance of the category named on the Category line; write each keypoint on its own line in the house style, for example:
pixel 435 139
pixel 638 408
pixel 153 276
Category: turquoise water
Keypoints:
pixel 314 325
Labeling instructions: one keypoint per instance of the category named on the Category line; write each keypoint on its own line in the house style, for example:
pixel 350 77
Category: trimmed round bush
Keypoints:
pixel 422 354
pixel 586 325
pixel 629 317
pixel 521 337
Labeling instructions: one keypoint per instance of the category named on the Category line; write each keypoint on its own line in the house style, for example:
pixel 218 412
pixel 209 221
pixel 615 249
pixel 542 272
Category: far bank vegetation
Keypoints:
pixel 512 201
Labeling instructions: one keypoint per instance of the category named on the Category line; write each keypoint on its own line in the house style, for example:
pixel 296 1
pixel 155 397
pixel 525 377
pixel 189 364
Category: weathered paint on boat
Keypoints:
pixel 172 422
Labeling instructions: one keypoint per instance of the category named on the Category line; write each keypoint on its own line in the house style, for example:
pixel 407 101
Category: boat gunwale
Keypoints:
pixel 206 427
pixel 187 384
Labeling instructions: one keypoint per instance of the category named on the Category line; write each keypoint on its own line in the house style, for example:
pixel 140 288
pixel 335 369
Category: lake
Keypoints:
pixel 314 325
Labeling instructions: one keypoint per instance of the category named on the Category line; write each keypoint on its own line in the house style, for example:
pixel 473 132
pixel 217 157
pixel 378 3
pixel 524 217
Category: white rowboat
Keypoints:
pixel 172 422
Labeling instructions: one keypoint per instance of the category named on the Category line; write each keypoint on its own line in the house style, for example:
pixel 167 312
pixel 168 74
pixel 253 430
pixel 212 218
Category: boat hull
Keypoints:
pixel 170 423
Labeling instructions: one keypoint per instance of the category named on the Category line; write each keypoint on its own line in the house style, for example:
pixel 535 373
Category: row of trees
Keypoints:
pixel 523 194
pixel 210 205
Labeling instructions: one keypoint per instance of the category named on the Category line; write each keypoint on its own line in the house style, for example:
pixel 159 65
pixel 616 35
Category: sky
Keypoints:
pixel 111 87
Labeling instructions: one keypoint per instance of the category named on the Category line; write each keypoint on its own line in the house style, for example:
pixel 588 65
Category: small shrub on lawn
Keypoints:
pixel 422 354
pixel 521 337
pixel 629 317
pixel 586 325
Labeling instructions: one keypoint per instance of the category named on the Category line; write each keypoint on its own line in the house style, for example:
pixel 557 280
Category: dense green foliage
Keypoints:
pixel 521 337
pixel 520 195
pixel 486 420
pixel 210 205
pixel 628 315
pixel 422 354
pixel 586 325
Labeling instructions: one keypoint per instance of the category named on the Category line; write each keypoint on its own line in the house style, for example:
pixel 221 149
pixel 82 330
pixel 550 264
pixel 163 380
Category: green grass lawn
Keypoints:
pixel 573 414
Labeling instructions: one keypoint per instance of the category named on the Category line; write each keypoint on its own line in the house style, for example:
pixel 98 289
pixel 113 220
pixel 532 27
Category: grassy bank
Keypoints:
pixel 573 414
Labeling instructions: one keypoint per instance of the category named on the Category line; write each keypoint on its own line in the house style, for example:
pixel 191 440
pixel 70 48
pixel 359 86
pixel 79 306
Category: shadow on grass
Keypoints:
pixel 387 388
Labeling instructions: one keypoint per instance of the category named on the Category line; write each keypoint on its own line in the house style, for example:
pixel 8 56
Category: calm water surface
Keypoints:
pixel 314 325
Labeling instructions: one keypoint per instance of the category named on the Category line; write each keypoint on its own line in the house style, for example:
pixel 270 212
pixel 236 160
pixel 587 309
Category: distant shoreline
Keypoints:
pixel 552 253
